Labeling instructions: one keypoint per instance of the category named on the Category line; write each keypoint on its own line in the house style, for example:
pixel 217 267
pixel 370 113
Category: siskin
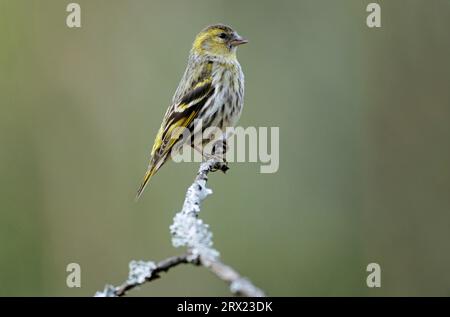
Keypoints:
pixel 211 90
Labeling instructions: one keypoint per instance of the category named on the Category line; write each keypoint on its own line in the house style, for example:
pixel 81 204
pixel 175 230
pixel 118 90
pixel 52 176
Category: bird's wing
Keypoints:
pixel 180 115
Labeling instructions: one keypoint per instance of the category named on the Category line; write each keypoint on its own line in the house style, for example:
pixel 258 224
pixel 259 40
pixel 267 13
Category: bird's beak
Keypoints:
pixel 238 40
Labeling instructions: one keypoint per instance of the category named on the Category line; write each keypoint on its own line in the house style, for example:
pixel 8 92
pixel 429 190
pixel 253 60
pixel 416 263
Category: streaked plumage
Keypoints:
pixel 211 89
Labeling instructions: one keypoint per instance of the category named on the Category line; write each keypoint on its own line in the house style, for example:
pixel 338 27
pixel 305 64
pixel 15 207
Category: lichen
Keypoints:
pixel 189 231
pixel 140 271
pixel 108 291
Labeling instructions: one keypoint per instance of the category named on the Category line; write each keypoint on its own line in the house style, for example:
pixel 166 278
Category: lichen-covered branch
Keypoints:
pixel 141 272
pixel 191 232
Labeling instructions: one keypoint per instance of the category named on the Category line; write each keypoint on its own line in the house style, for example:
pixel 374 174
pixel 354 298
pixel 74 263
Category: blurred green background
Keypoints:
pixel 364 117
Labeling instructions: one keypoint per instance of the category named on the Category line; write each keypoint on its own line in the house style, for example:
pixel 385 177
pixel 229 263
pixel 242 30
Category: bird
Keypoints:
pixel 211 90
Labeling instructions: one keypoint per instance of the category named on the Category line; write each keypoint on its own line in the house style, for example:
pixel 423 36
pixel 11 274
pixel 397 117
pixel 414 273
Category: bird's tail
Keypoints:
pixel 152 169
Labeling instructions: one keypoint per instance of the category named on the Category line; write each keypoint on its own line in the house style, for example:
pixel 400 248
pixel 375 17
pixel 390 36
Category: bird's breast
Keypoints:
pixel 225 106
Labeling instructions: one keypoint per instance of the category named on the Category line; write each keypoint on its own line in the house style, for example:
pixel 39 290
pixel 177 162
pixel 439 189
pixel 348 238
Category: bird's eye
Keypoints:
pixel 222 35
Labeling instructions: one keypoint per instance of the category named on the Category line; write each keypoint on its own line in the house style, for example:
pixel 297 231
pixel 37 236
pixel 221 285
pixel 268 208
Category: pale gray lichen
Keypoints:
pixel 189 231
pixel 140 271
pixel 109 291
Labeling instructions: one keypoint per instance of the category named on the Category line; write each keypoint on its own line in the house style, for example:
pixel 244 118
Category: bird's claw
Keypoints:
pixel 222 166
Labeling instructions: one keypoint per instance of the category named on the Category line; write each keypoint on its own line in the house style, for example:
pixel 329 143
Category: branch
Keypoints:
pixel 141 272
pixel 189 231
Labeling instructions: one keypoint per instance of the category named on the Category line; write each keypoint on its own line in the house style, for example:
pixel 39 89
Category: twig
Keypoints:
pixel 189 231
pixel 151 272
pixel 238 285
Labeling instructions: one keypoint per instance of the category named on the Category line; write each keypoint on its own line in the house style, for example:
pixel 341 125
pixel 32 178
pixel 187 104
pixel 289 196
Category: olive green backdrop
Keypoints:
pixel 364 146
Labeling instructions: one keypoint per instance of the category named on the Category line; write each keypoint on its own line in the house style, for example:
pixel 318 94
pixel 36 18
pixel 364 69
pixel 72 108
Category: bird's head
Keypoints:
pixel 217 40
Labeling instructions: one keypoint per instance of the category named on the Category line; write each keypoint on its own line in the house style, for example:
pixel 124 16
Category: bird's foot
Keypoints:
pixel 220 163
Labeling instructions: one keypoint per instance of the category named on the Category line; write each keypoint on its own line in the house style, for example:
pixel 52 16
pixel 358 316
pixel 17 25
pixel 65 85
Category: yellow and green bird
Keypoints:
pixel 211 90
